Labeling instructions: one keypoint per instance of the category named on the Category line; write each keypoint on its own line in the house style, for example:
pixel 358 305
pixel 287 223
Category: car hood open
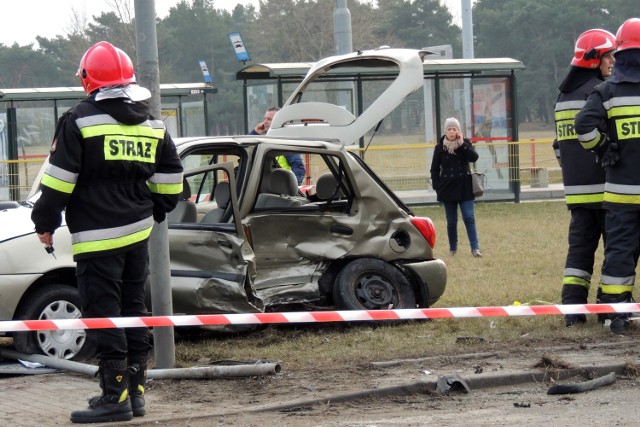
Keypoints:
pixel 301 119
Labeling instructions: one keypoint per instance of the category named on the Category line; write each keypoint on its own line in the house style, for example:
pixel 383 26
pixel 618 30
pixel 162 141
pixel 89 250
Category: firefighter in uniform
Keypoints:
pixel 114 169
pixel 609 125
pixel 583 177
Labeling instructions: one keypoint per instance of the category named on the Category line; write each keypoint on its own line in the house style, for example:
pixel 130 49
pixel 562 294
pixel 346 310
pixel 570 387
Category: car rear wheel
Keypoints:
pixel 372 284
pixel 53 303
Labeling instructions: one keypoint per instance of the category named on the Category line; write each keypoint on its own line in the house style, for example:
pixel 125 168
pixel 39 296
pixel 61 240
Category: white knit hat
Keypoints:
pixel 452 121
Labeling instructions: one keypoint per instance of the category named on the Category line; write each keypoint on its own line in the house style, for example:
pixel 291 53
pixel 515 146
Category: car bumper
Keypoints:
pixel 433 274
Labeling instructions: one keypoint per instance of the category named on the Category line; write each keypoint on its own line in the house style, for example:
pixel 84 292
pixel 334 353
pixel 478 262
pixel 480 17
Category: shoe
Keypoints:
pixel 452 253
pixel 476 253
pixel 619 325
pixel 574 319
pixel 114 404
pixel 137 381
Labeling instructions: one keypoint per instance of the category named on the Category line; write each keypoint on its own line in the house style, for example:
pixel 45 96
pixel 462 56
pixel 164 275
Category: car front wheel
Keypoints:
pixel 372 284
pixel 53 303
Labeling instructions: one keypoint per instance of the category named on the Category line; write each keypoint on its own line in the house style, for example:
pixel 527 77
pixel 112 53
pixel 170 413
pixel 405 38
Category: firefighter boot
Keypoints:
pixel 113 404
pixel 619 321
pixel 574 294
pixel 137 381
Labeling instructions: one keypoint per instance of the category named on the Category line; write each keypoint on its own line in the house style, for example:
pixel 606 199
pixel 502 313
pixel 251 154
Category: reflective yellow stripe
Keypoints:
pixel 57 184
pixel 565 129
pixel 615 289
pixel 577 281
pixel 627 110
pixel 588 145
pixel 124 396
pixel 629 199
pixel 116 129
pixel 115 243
pixel 628 128
pixel 158 188
pixel 566 115
pixel 125 148
pixel 584 198
pixel 282 161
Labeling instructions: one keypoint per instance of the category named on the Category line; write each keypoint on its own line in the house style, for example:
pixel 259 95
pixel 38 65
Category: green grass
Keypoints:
pixel 524 247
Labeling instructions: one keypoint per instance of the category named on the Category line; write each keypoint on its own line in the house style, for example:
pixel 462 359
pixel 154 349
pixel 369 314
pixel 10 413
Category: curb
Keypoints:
pixel 477 382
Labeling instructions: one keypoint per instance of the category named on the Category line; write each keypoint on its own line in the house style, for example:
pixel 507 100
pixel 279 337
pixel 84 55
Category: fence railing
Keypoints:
pixel 404 167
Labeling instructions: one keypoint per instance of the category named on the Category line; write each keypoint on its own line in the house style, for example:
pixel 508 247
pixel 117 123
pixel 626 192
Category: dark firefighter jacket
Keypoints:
pixel 114 168
pixel 613 109
pixel 582 175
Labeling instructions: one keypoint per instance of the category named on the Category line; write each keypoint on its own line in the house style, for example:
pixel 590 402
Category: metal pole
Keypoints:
pixel 467 29
pixel 342 28
pixel 149 76
pixel 196 372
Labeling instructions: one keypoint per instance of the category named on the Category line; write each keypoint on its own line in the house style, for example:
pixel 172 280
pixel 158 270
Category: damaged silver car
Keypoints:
pixel 246 238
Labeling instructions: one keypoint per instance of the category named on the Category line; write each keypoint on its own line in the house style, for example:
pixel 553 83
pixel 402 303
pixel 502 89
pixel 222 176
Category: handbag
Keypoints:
pixel 478 182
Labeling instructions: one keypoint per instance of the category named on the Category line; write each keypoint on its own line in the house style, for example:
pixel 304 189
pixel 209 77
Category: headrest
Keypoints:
pixel 283 182
pixel 326 186
pixel 186 190
pixel 222 194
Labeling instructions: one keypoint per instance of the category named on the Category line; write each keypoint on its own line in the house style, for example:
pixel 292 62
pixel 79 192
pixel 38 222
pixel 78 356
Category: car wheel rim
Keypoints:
pixel 63 344
pixel 374 292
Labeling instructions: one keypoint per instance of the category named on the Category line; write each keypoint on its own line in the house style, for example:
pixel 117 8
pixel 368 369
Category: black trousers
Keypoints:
pixel 621 251
pixel 113 286
pixel 585 229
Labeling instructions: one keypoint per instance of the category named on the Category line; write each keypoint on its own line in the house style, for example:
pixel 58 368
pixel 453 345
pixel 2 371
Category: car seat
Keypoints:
pixel 185 210
pixel 279 189
pixel 222 197
pixel 327 187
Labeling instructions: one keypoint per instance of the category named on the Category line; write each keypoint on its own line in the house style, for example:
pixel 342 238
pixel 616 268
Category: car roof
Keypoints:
pixel 326 120
pixel 253 140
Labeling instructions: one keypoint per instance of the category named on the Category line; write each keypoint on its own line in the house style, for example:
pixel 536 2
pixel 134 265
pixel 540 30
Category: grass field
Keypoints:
pixel 524 248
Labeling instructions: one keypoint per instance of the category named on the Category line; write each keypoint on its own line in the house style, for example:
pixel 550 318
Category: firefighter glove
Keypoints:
pixel 611 155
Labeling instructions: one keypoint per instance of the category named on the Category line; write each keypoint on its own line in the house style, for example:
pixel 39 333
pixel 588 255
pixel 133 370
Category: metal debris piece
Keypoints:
pixel 583 386
pixel 451 383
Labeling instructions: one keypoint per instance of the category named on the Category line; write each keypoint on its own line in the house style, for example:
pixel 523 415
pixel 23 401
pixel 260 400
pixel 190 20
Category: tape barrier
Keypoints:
pixel 315 317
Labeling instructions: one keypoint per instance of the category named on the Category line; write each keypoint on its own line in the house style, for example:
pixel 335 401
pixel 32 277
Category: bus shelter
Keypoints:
pixel 28 119
pixel 480 93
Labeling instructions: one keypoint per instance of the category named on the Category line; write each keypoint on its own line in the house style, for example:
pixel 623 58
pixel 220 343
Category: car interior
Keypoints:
pixel 205 197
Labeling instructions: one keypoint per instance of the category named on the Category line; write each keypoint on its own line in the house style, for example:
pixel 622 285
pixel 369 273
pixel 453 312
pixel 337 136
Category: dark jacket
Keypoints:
pixel 610 120
pixel 582 175
pixel 450 176
pixel 114 169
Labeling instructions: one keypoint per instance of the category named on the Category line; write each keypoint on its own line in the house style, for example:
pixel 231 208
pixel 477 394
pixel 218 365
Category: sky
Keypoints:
pixel 23 20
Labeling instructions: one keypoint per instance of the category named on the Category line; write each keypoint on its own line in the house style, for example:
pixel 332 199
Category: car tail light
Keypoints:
pixel 426 228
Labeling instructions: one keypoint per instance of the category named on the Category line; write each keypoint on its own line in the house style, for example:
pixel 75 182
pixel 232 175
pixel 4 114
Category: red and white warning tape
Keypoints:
pixel 314 316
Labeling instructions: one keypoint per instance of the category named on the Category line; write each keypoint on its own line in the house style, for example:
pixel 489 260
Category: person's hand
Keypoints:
pixel 611 156
pixel 460 139
pixel 46 239
pixel 261 128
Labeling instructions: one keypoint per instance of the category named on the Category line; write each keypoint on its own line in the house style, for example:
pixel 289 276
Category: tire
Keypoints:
pixel 372 284
pixel 53 302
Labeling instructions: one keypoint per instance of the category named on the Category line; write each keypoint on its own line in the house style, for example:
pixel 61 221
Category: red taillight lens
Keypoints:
pixel 426 228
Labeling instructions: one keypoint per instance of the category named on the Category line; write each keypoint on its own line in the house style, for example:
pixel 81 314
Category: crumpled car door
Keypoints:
pixel 212 265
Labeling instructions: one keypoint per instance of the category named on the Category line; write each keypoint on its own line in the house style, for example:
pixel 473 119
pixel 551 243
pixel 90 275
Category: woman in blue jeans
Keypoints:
pixel 451 180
